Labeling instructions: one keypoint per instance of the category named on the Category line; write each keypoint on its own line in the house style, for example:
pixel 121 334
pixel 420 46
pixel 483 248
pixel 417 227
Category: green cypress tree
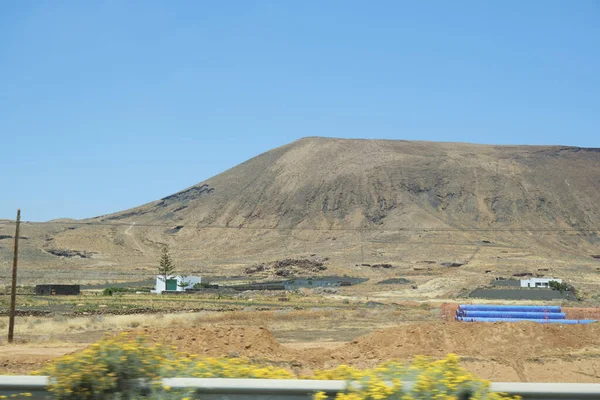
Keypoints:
pixel 166 267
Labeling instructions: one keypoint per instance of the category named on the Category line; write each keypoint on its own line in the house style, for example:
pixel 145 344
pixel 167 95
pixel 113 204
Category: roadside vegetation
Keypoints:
pixel 128 366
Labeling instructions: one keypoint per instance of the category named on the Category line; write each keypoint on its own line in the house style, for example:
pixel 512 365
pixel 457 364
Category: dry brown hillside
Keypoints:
pixel 411 204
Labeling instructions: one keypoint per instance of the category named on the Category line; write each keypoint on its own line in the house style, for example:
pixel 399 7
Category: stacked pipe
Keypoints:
pixel 504 313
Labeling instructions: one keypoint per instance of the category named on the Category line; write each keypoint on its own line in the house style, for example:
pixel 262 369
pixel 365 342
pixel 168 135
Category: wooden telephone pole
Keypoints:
pixel 13 291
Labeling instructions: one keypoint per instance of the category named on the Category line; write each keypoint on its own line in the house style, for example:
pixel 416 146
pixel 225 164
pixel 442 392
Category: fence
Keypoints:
pixel 294 389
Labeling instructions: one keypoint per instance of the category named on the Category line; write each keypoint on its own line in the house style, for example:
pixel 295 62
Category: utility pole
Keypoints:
pixel 362 245
pixel 13 292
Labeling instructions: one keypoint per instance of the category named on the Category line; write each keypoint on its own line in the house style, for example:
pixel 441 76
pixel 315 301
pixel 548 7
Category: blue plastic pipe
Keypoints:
pixel 491 307
pixel 512 314
pixel 541 321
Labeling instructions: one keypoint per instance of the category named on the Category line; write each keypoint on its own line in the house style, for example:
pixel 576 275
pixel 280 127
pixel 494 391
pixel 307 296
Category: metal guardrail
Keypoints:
pixel 13 385
pixel 295 389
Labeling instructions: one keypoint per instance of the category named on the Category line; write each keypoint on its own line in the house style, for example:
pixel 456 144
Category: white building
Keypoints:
pixel 175 283
pixel 538 282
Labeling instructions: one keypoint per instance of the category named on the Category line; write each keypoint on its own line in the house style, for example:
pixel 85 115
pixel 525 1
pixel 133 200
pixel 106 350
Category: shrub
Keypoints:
pixel 126 367
pixel 560 286
pixel 108 367
pixel 226 368
pixel 205 285
pixel 109 291
pixel 442 379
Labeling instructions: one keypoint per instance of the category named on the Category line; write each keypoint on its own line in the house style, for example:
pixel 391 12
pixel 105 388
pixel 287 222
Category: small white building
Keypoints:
pixel 176 283
pixel 538 282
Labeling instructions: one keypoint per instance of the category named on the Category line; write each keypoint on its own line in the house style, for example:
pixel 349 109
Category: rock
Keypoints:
pixel 70 253
pixel 452 264
pixel 175 229
pixel 2 237
pixel 394 281
pixel 324 290
pixel 290 266
pixel 301 263
pixel 283 272
pixel 382 266
pixel 255 268
pixel 188 194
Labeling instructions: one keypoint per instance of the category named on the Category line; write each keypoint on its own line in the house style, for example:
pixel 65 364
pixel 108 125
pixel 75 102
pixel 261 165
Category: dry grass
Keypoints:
pixel 289 324
pixel 60 328
pixel 60 325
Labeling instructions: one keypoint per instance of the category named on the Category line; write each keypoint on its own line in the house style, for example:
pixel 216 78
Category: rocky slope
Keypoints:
pixel 354 201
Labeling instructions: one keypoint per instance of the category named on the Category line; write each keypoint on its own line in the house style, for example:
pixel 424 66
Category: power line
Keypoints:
pixel 398 230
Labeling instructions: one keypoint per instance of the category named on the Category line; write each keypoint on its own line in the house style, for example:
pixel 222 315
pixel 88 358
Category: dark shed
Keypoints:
pixel 47 290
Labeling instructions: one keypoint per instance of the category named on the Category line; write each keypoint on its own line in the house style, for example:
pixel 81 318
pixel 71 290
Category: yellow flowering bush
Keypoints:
pixel 111 366
pixel 126 367
pixel 433 380
pixel 225 368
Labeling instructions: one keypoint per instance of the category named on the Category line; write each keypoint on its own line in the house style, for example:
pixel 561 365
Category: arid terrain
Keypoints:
pixel 423 224
pixel 325 335
pixel 411 204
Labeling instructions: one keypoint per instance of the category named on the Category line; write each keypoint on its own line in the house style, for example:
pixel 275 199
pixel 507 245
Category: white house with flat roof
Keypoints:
pixel 174 283
pixel 538 282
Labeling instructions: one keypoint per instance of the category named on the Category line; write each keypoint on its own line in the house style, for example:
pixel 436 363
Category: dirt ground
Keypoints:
pixel 23 359
pixel 500 352
pixel 582 313
pixel 303 341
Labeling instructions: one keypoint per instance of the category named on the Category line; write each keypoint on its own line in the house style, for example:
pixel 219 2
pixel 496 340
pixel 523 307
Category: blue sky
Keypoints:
pixel 106 105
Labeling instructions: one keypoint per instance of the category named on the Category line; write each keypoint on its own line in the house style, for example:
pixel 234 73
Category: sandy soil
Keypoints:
pixel 24 358
pixel 496 351
pixel 501 352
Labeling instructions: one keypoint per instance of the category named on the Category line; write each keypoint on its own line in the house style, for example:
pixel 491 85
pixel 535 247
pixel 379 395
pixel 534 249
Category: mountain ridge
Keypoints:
pixel 435 188
pixel 355 201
